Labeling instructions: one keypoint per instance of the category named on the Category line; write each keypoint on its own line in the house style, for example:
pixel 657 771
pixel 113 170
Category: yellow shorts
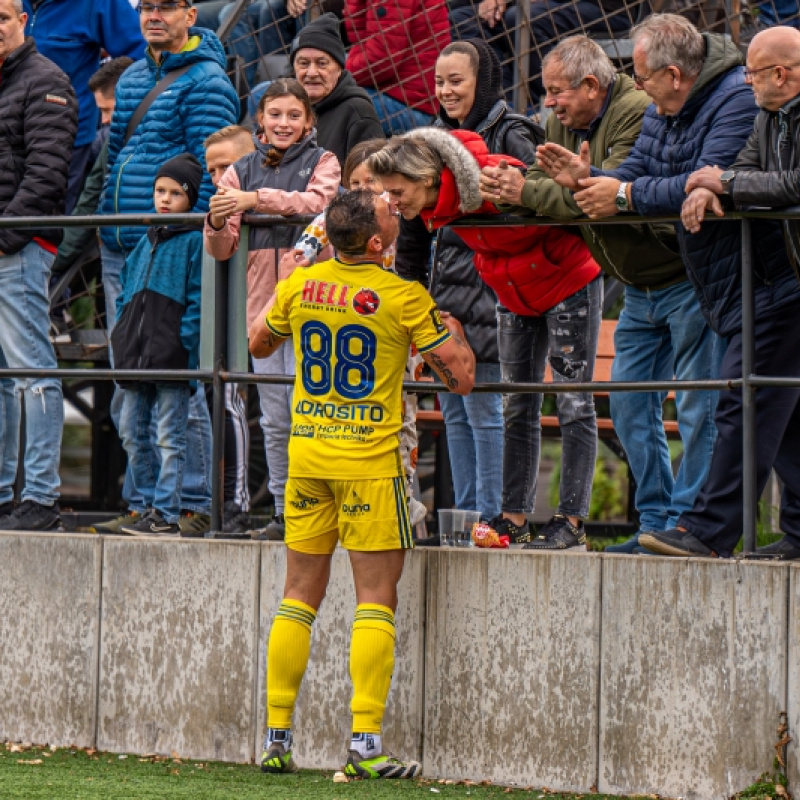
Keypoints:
pixel 364 515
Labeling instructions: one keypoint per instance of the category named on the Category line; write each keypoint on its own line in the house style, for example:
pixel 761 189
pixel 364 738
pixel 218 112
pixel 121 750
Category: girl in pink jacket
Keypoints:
pixel 286 174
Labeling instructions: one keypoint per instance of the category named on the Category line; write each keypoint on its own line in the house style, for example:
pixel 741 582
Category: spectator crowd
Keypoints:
pixel 409 100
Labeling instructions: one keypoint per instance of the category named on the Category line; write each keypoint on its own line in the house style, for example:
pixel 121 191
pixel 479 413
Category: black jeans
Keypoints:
pixel 716 518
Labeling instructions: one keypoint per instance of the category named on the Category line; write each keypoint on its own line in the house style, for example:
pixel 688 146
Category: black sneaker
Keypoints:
pixel 517 534
pixel 235 520
pixel 274 532
pixel 674 542
pixel 31 516
pixel 559 534
pixel 782 550
pixel 152 524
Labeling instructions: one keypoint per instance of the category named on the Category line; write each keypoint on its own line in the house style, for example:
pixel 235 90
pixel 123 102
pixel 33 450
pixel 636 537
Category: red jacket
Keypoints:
pixel 531 269
pixel 395 44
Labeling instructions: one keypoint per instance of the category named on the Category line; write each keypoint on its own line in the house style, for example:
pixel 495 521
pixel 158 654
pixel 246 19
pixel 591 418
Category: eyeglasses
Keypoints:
pixel 748 73
pixel 641 80
pixel 167 7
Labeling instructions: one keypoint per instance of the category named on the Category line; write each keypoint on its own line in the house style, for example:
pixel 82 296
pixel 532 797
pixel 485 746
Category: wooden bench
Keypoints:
pixel 432 420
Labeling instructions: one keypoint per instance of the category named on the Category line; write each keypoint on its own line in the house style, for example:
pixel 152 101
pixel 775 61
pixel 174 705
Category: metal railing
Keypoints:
pixel 227 350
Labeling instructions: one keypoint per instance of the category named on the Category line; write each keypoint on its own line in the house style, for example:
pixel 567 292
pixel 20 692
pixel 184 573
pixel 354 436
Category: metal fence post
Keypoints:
pixel 237 360
pixel 218 397
pixel 522 57
pixel 749 487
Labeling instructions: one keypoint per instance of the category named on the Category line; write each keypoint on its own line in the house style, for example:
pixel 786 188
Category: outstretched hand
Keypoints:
pixel 502 184
pixel 693 210
pixel 563 166
pixel 290 261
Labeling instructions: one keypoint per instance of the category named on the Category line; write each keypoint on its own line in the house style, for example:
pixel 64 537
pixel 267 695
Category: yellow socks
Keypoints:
pixel 287 657
pixel 371 665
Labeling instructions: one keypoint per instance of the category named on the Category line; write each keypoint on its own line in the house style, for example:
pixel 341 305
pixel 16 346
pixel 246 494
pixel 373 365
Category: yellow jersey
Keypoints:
pixel 351 326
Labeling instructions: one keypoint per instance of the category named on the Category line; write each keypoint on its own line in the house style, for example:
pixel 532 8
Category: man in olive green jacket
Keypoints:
pixel 661 331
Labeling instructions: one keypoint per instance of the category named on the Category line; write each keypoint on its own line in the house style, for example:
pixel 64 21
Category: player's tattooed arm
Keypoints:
pixel 443 371
pixel 262 342
pixel 454 361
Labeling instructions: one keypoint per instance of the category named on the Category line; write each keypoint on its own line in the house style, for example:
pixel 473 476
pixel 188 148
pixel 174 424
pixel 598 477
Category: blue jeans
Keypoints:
pixel 396 117
pixel 265 28
pixel 196 491
pixel 549 22
pixel 157 473
pixel 25 343
pixel 662 334
pixel 566 337
pixel 474 426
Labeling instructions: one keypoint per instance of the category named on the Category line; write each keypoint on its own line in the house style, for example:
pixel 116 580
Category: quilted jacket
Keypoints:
pixel 395 44
pixel 38 120
pixel 531 269
pixel 196 105
pixel 711 128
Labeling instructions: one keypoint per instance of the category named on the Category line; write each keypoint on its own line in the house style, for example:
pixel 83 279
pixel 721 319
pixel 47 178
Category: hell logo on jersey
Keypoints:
pixel 324 293
pixel 366 302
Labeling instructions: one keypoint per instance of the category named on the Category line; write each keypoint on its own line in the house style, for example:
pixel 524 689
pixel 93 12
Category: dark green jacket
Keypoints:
pixel 76 240
pixel 643 256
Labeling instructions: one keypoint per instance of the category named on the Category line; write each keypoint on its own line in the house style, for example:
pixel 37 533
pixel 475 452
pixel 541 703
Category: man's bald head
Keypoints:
pixel 782 43
pixel 773 65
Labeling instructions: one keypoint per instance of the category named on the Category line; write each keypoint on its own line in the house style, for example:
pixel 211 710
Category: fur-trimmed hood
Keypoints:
pixel 460 160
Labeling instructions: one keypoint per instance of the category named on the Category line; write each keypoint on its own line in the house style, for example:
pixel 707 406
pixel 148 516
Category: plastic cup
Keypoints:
pixel 470 518
pixel 446 526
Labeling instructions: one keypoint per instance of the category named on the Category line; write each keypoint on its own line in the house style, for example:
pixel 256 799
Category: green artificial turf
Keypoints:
pixel 39 773
pixel 36 772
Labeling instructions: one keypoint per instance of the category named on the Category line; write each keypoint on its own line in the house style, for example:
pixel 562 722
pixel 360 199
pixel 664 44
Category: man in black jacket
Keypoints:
pixel 765 173
pixel 345 114
pixel 38 121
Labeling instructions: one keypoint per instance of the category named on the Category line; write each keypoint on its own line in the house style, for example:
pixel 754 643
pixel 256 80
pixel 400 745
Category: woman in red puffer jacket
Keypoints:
pixel 550 298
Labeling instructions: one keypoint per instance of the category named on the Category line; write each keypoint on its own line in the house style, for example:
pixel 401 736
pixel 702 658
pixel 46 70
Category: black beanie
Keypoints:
pixel 322 34
pixel 187 171
pixel 488 88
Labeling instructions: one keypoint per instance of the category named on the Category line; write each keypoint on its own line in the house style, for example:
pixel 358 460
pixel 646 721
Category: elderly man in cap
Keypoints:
pixel 345 114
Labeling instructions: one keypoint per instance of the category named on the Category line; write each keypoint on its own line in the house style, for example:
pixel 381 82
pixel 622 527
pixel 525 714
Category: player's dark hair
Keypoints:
pixel 105 79
pixel 350 221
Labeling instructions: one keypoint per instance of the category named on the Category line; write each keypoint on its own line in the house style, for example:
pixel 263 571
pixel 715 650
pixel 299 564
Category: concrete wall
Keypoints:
pixel 639 675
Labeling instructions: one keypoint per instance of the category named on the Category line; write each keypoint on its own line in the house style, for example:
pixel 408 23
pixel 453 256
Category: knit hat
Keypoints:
pixel 185 170
pixel 488 88
pixel 322 34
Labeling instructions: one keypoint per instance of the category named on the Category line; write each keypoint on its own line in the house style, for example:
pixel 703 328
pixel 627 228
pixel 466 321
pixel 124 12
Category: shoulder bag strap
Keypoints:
pixel 148 99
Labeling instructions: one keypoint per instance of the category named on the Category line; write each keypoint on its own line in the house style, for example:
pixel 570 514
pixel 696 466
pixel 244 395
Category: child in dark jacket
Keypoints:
pixel 158 327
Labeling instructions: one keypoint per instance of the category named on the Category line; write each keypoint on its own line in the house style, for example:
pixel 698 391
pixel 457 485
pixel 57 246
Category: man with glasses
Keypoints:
pixel 765 173
pixel 661 332
pixel 73 33
pixel 179 119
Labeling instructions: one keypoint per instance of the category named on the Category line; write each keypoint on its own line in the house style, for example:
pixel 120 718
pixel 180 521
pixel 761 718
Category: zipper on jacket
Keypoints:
pixel 116 196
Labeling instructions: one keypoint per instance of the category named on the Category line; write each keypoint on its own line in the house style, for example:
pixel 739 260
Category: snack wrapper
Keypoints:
pixel 485 536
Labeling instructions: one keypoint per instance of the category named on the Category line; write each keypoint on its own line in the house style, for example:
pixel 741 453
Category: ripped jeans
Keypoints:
pixel 25 343
pixel 566 336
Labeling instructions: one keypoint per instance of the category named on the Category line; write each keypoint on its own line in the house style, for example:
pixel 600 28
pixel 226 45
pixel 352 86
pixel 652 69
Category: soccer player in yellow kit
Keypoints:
pixel 352 323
